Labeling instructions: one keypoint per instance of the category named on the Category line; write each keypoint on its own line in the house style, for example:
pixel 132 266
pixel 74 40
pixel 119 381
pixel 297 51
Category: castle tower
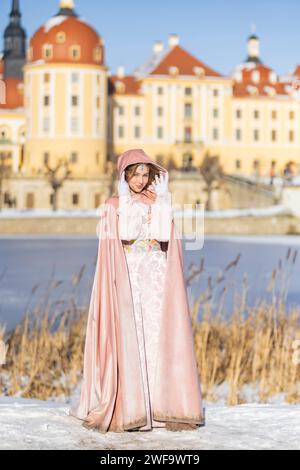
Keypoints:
pixel 66 96
pixel 14 44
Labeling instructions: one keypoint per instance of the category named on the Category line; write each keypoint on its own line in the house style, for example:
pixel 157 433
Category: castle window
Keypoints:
pixel 159 132
pixel 75 52
pixel 46 158
pixel 74 100
pixel 60 37
pixel 46 100
pixel 274 135
pixel 98 54
pixel 160 111
pixel 215 92
pixel 256 114
pixel 74 124
pixel 188 91
pixel 256 134
pixel 292 115
pixel 121 110
pixel 47 51
pixel 291 136
pixel 215 133
pixel 238 164
pixel 238 134
pixel 274 114
pixel 160 90
pixel 215 113
pixel 188 134
pixel 75 199
pixel 3 134
pixel 238 113
pixel 46 124
pixel 137 111
pixel 74 157
pixel 137 132
pixel 75 77
pixel 98 124
pixel 121 132
pixel 46 77
pixel 98 102
pixel 187 110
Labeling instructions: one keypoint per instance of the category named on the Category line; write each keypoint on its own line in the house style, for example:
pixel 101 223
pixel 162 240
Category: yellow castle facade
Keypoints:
pixel 61 108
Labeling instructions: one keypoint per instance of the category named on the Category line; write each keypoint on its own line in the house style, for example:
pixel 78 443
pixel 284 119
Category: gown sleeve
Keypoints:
pixel 130 218
pixel 162 216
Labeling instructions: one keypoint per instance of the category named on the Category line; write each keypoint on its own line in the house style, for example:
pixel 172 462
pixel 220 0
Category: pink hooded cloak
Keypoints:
pixel 112 396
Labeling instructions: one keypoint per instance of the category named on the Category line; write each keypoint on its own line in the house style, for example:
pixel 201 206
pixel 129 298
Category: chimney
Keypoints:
pixel 173 40
pixel 157 47
pixel 120 71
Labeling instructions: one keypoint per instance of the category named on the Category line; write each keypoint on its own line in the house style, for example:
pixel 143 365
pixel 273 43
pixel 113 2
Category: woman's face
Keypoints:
pixel 139 179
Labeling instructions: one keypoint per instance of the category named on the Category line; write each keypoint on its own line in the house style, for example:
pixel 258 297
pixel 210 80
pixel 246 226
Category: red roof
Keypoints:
pixel 77 33
pixel 184 61
pixel 241 89
pixel 13 94
pixel 131 85
pixel 296 72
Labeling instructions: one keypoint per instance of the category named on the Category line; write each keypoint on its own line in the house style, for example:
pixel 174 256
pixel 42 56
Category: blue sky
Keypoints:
pixel 215 31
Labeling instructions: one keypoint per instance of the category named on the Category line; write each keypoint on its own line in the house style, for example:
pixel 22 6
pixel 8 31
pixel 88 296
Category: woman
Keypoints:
pixel 140 368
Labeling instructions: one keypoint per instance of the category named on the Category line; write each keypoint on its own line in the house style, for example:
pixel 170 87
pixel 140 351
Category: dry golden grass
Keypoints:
pixel 252 346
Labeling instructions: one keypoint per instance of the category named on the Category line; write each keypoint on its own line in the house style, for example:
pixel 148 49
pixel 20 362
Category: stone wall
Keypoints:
pixel 247 225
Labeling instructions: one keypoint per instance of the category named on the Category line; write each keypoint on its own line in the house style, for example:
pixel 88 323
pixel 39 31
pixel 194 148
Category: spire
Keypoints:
pixel 253 31
pixel 253 47
pixel 14 44
pixel 15 15
pixel 66 8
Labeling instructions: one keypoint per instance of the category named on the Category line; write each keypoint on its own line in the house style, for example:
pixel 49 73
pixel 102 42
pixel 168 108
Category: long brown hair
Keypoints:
pixel 153 171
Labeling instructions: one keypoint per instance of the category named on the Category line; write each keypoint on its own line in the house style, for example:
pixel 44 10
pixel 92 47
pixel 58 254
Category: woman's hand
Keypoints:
pixel 161 184
pixel 123 186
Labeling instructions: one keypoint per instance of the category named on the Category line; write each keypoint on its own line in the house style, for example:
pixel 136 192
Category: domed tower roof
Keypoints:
pixel 66 38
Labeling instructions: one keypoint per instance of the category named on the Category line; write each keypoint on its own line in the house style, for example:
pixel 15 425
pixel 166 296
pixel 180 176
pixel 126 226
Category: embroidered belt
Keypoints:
pixel 143 245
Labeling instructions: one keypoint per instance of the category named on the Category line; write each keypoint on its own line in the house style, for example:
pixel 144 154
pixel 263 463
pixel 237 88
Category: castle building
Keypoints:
pixel 60 105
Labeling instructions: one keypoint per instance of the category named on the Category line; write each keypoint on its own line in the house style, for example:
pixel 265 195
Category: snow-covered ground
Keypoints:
pixel 34 424
pixel 278 209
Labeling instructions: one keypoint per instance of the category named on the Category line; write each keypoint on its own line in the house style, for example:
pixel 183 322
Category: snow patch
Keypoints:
pixel 55 21
pixel 255 212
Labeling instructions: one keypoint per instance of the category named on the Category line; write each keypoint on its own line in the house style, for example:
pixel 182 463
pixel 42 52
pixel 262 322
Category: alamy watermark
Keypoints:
pixel 188 222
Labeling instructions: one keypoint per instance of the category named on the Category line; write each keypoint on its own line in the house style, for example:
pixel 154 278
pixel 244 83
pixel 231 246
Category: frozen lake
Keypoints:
pixel 26 262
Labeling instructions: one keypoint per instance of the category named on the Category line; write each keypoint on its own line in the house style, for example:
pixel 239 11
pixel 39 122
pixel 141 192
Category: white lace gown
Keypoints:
pixel 146 268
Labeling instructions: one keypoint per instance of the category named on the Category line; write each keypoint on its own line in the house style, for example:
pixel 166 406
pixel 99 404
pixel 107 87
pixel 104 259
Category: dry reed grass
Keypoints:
pixel 253 345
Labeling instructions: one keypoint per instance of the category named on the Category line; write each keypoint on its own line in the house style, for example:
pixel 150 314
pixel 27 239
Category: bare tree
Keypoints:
pixel 56 177
pixel 5 172
pixel 171 164
pixel 212 171
pixel 111 171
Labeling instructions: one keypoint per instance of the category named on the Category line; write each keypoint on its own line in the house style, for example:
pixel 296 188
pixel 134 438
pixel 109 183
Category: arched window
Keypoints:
pixel 75 52
pixel 187 162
